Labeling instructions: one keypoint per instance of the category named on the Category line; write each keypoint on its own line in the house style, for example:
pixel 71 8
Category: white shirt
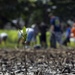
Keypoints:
pixel 3 35
pixel 27 30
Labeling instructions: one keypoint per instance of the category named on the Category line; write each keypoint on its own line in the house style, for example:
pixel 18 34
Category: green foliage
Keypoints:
pixel 36 16
pixel 24 30
pixel 24 33
pixel 32 0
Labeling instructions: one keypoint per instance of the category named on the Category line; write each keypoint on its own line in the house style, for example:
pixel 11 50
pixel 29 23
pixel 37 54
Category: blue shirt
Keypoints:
pixel 56 22
pixel 68 31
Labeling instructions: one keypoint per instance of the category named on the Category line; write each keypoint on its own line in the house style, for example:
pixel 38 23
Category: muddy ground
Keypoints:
pixel 38 62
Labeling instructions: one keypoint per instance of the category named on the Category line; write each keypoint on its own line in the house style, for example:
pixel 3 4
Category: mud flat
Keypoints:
pixel 37 62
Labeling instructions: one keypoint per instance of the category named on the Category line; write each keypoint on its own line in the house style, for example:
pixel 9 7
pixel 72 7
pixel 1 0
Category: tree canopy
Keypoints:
pixel 32 10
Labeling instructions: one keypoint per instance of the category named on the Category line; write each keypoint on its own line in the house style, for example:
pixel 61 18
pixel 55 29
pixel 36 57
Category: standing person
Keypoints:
pixel 72 38
pixel 43 30
pixel 36 31
pixel 56 31
pixel 68 33
pixel 73 32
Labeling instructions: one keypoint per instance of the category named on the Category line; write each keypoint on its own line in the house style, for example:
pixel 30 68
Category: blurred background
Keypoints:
pixel 14 14
pixel 27 11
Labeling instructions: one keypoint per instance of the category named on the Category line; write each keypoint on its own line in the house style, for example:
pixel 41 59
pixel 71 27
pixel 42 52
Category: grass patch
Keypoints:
pixel 12 39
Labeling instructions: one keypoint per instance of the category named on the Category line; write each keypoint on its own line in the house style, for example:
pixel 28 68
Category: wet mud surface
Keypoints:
pixel 37 62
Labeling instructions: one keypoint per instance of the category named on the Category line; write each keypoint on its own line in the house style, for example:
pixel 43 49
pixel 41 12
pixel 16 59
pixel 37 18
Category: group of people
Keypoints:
pixel 56 32
pixel 32 33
